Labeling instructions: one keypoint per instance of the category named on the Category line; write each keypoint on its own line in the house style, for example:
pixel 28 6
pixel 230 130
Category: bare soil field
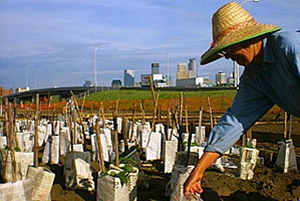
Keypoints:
pixel 268 184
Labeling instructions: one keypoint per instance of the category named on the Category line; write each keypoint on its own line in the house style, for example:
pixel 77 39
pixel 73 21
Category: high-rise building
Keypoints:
pixel 230 79
pixel 128 78
pixel 192 68
pixel 145 80
pixel 154 68
pixel 116 84
pixel 181 71
pixel 220 78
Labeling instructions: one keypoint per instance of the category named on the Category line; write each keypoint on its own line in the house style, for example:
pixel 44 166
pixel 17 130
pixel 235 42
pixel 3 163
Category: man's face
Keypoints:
pixel 242 53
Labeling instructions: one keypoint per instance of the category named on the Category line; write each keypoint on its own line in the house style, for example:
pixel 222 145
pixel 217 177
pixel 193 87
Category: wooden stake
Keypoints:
pixel 249 133
pixel 244 140
pixel 152 90
pixel 11 143
pixel 36 133
pixel 100 149
pixel 186 121
pixel 17 144
pixel 181 108
pixel 200 118
pixel 143 113
pixel 210 113
pixel 290 127
pixel 103 115
pixel 82 106
pixel 115 135
pixel 1 106
pixel 155 112
pixel 116 148
pixel 124 131
pixel 285 125
pixel 168 122
pixel 69 123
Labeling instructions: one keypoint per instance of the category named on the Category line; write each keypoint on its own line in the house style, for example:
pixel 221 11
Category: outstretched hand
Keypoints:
pixel 191 188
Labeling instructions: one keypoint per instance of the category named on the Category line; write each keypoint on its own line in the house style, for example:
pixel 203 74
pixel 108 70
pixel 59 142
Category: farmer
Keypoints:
pixel 271 76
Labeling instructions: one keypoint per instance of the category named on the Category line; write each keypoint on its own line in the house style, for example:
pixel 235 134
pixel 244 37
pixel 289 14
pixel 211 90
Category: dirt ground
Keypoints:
pixel 268 184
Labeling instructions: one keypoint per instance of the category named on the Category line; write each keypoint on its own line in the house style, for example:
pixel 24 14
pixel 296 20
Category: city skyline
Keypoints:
pixel 52 43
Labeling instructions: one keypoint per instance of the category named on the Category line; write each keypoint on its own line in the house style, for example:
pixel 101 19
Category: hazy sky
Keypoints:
pixel 46 43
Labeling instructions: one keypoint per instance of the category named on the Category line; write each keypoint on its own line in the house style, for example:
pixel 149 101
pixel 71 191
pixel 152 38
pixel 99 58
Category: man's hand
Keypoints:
pixel 191 188
pixel 192 185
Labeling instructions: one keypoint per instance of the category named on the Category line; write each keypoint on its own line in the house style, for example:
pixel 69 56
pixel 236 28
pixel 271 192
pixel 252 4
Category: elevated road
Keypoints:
pixel 62 92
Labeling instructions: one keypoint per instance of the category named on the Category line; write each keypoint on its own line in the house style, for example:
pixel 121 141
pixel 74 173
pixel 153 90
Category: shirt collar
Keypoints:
pixel 268 53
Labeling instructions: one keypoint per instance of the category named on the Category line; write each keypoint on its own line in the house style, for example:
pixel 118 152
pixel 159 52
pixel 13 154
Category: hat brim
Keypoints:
pixel 235 37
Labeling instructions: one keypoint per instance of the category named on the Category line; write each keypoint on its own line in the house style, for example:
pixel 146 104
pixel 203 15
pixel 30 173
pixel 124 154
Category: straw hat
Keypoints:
pixel 231 24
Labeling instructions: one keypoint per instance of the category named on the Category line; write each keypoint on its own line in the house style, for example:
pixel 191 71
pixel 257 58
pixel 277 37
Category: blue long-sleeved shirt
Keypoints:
pixel 276 81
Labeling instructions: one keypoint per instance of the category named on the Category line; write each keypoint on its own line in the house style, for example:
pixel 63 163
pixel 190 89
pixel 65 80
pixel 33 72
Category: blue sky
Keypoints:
pixel 46 43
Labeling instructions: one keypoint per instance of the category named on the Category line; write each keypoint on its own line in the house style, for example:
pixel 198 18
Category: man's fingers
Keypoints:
pixel 196 189
pixel 192 190
pixel 199 188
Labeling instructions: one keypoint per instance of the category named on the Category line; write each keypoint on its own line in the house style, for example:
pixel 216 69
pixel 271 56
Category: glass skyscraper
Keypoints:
pixel 128 78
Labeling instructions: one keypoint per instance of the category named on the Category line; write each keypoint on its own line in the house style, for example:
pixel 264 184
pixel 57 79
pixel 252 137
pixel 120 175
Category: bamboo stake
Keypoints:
pixel 133 121
pixel 186 121
pixel 11 144
pixel 200 118
pixel 290 127
pixel 143 113
pixel 82 106
pixel 36 133
pixel 181 108
pixel 17 145
pixel 100 149
pixel 210 113
pixel 249 133
pixel 1 106
pixel 155 112
pixel 124 131
pixel 6 122
pixel 189 135
pixel 69 123
pixel 103 115
pixel 244 140
pixel 80 117
pixel 285 125
pixel 168 122
pixel 115 134
pixel 152 90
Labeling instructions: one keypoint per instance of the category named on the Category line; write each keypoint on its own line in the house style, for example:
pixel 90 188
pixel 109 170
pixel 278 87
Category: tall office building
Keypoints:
pixel 181 71
pixel 128 78
pixel 220 78
pixel 154 68
pixel 192 68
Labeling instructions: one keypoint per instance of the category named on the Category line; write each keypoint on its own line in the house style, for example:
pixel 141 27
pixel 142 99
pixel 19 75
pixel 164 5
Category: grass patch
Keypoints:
pixel 146 95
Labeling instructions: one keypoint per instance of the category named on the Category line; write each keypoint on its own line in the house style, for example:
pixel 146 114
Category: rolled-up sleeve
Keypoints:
pixel 248 106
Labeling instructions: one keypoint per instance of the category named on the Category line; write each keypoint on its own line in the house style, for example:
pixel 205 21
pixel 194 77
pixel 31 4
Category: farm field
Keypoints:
pixel 268 183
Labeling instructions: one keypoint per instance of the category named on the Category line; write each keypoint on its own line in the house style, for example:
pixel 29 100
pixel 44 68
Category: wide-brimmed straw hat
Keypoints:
pixel 231 24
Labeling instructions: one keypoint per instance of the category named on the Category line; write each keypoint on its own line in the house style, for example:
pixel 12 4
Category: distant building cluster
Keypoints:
pixel 20 90
pixel 222 81
pixel 158 79
pixel 187 75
